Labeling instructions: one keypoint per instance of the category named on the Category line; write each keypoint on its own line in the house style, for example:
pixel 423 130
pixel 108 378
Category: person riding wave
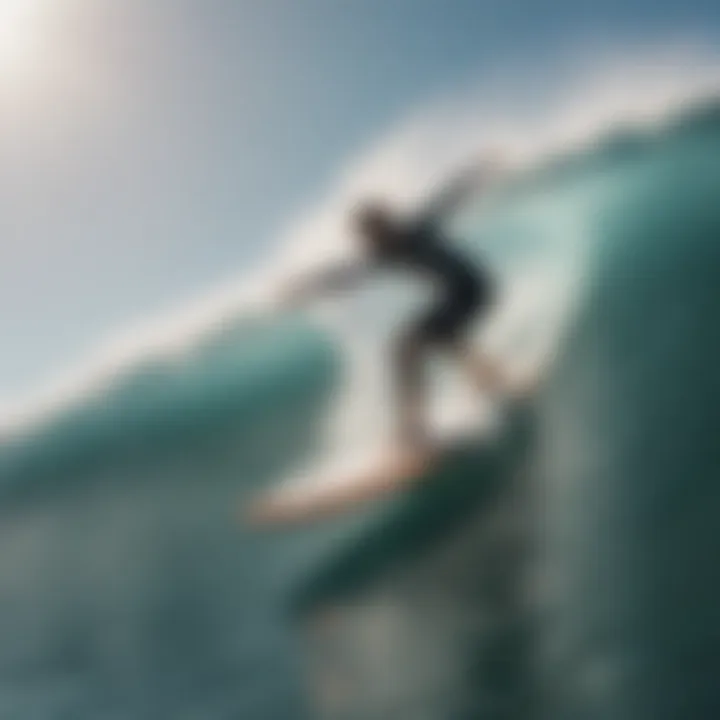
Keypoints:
pixel 465 293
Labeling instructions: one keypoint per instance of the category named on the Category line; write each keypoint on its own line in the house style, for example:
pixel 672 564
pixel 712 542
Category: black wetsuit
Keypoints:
pixel 464 289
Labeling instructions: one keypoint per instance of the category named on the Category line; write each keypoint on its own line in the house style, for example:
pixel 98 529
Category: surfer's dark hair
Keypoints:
pixel 373 217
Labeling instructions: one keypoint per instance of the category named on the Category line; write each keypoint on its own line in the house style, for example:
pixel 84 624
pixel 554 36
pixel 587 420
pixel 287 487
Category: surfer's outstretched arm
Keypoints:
pixel 455 192
pixel 327 281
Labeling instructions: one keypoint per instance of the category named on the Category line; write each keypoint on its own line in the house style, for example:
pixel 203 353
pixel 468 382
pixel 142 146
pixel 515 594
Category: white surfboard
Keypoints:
pixel 324 494
pixel 334 492
pixel 342 490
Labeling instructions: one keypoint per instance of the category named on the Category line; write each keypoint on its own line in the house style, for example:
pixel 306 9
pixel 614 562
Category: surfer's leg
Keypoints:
pixel 410 388
pixel 448 327
pixel 462 314
pixel 430 331
pixel 484 373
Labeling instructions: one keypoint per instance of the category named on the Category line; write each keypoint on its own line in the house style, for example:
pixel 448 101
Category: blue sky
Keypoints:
pixel 157 148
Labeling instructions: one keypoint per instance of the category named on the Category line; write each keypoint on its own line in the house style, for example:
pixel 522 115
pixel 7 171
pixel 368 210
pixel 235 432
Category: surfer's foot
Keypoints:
pixel 524 386
pixel 414 445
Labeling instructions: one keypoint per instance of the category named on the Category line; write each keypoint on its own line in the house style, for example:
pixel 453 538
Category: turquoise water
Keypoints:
pixel 630 457
pixel 129 590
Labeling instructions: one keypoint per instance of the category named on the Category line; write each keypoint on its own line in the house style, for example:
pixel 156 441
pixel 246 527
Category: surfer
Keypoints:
pixel 465 292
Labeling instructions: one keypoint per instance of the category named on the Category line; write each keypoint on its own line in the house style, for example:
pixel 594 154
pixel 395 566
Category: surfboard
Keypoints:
pixel 332 493
pixel 323 495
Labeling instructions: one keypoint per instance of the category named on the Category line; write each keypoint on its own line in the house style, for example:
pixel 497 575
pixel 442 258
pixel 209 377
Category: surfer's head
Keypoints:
pixel 375 223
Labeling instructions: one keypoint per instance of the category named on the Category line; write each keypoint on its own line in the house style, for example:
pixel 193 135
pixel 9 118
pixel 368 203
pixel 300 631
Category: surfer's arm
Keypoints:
pixel 327 281
pixel 454 193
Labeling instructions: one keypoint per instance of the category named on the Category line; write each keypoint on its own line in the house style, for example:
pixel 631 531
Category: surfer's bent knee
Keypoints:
pixel 407 359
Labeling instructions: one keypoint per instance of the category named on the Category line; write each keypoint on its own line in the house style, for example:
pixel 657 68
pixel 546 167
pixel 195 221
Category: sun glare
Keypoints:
pixel 20 22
